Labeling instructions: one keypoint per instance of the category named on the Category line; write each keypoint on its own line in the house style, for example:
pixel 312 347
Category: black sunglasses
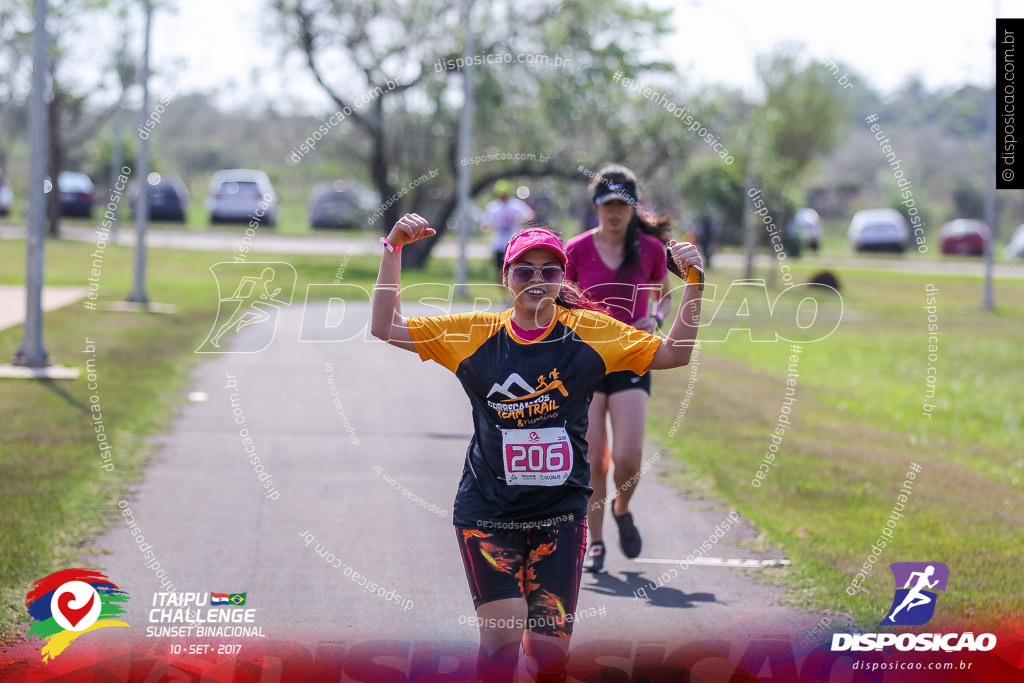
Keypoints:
pixel 521 275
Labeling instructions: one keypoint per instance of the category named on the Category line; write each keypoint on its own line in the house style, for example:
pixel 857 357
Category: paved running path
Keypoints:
pixel 212 528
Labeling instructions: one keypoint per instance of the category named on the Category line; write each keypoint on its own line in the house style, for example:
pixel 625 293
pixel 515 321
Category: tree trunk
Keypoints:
pixel 417 254
pixel 379 173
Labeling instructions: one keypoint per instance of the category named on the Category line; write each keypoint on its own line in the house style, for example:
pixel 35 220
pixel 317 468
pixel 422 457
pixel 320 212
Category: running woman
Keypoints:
pixel 529 372
pixel 622 264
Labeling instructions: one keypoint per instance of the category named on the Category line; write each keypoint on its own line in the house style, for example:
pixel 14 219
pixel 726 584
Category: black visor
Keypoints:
pixel 606 192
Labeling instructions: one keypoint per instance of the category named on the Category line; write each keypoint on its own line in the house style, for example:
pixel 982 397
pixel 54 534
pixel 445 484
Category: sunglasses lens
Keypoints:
pixel 552 274
pixel 522 274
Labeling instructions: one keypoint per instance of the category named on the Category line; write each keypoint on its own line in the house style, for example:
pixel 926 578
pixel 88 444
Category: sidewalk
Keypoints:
pixel 12 301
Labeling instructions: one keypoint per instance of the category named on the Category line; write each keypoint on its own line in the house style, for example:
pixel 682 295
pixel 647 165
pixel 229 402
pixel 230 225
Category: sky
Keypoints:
pixel 219 45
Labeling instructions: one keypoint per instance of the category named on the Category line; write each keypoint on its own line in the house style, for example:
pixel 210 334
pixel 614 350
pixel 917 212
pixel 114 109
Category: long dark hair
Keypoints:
pixel 570 296
pixel 658 226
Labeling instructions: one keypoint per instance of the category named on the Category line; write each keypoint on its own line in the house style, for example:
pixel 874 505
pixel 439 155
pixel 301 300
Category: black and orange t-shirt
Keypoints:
pixel 527 460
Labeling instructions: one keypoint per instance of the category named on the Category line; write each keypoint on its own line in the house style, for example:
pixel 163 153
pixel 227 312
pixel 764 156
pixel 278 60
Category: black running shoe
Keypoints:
pixel 629 536
pixel 595 559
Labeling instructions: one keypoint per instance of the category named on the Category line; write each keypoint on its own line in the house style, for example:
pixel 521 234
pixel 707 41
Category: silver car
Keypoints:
pixel 879 230
pixel 241 195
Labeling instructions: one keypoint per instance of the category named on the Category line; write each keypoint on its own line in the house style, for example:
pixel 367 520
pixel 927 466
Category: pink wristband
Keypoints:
pixel 388 245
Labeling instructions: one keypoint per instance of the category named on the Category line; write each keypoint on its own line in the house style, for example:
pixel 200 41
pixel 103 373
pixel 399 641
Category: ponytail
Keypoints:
pixel 572 296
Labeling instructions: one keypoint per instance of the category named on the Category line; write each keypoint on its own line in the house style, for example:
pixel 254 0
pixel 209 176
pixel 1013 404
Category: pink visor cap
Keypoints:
pixel 533 239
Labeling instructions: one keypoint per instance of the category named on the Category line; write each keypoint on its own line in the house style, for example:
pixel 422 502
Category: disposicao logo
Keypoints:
pixel 70 603
pixel 913 604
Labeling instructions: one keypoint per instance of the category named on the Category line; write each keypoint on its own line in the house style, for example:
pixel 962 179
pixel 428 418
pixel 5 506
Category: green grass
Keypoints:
pixel 856 427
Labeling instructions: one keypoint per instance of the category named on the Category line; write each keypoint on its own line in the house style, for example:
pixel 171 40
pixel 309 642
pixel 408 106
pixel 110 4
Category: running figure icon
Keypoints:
pixel 251 303
pixel 915 597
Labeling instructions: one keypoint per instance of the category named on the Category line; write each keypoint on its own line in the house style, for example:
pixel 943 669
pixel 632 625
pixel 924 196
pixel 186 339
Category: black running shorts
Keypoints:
pixel 542 564
pixel 614 382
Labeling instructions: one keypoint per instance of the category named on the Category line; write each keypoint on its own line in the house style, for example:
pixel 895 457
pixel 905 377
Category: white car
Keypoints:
pixel 1015 249
pixel 879 230
pixel 242 195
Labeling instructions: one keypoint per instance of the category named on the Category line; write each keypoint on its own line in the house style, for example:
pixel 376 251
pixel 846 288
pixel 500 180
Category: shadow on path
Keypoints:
pixel 611 584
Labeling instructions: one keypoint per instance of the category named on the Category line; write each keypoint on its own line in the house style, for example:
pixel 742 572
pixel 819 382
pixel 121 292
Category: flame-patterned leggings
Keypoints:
pixel 541 564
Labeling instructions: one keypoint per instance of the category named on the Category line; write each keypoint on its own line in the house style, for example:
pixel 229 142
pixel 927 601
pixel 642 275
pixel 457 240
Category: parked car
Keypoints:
pixel 6 195
pixel 76 193
pixel 340 204
pixel 168 197
pixel 807 225
pixel 964 236
pixel 879 230
pixel 1015 249
pixel 242 195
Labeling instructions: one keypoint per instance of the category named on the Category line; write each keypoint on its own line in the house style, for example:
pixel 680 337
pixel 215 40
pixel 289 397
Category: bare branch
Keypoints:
pixel 307 41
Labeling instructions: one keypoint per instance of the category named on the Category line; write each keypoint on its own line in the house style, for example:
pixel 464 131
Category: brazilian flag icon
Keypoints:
pixel 237 598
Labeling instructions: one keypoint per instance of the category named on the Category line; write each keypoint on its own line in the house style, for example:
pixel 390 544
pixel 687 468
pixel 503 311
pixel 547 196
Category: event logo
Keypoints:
pixel 515 388
pixel 914 603
pixel 70 603
pixel 258 291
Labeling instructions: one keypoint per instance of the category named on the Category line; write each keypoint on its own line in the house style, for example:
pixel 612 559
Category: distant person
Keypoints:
pixel 705 236
pixel 503 216
pixel 620 263
pixel 807 225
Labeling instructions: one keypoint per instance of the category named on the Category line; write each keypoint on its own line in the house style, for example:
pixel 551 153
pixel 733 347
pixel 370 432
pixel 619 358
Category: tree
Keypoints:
pixel 15 73
pixel 968 200
pixel 72 121
pixel 797 124
pixel 716 188
pixel 400 63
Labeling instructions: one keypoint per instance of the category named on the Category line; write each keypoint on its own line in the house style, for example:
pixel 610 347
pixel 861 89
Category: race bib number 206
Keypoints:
pixel 536 457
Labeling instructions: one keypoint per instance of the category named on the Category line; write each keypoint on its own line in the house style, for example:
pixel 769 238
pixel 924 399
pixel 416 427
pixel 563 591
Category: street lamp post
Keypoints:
pixel 988 296
pixel 465 146
pixel 32 353
pixel 138 294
